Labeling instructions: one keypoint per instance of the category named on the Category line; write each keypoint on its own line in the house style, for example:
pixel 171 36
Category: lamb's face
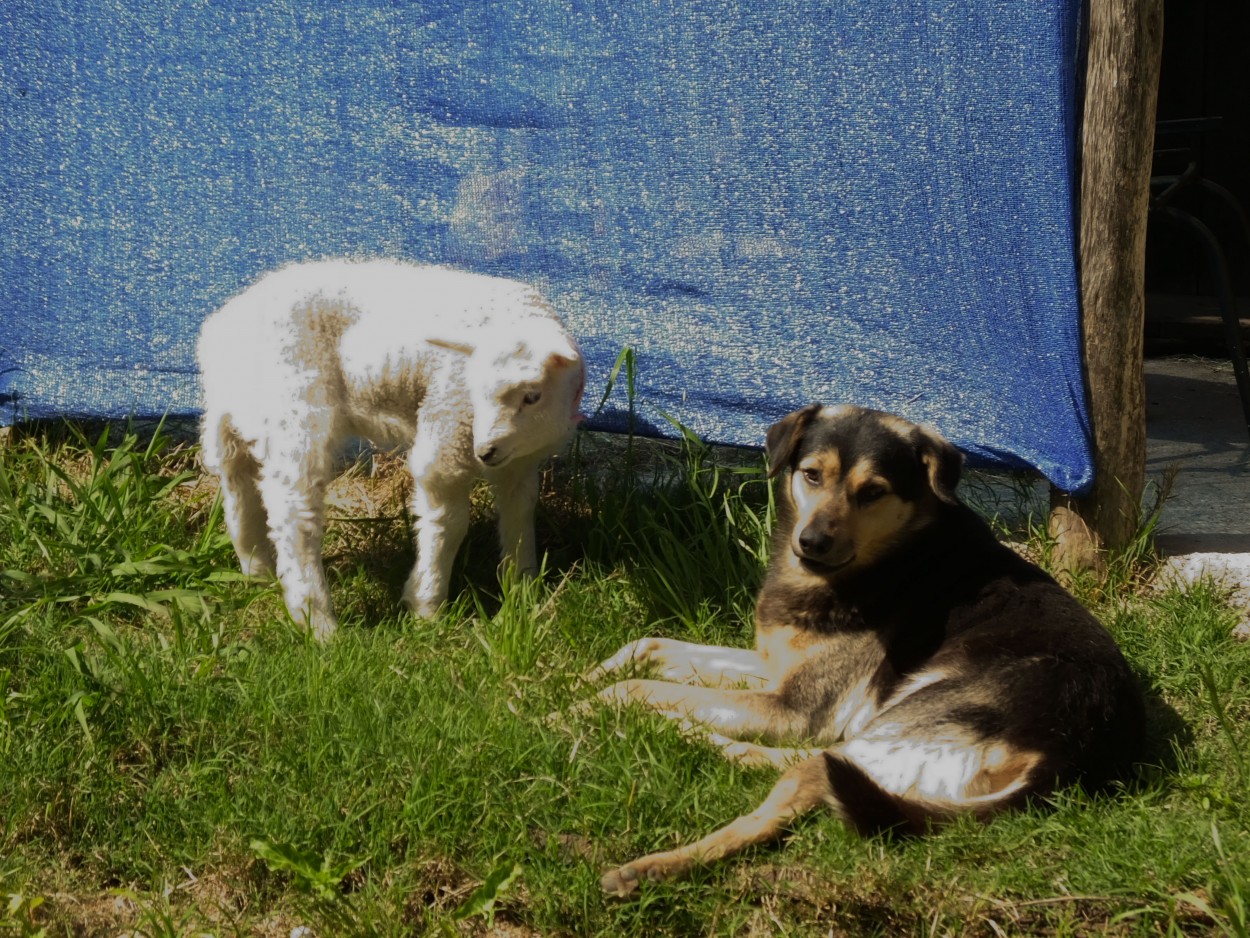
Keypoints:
pixel 525 398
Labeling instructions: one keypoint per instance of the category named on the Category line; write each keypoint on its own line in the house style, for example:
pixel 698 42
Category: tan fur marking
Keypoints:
pixel 901 427
pixel 864 473
pixel 827 462
pixel 879 524
pixel 785 646
pixel 1002 768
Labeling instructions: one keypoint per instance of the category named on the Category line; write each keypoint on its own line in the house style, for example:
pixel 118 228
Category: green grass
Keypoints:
pixel 176 758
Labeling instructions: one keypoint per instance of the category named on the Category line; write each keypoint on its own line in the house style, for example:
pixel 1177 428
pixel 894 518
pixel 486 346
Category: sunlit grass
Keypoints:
pixel 176 758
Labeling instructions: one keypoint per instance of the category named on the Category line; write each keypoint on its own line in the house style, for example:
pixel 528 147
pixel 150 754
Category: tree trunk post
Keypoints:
pixel 1117 140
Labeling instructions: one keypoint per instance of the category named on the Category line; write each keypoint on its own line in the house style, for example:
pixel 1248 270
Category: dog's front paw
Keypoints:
pixel 566 719
pixel 621 882
pixel 640 651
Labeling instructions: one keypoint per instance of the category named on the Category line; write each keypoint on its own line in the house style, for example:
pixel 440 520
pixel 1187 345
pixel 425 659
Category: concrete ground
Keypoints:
pixel 1195 426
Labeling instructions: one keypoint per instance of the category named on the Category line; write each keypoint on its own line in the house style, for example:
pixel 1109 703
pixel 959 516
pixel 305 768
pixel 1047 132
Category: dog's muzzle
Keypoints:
pixel 820 549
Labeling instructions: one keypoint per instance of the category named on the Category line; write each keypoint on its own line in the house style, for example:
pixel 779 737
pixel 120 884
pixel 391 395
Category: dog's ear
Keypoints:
pixel 943 461
pixel 460 347
pixel 784 437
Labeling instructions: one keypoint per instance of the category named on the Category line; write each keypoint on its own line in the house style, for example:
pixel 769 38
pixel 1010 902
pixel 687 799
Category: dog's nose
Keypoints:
pixel 815 543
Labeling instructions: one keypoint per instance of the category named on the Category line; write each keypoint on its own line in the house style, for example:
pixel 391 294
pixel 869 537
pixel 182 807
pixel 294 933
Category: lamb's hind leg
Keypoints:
pixel 227 455
pixel 293 492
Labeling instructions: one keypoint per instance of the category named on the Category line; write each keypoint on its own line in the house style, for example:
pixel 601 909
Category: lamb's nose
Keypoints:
pixel 488 454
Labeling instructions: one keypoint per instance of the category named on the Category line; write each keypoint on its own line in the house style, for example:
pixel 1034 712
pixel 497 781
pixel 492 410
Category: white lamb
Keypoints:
pixel 475 373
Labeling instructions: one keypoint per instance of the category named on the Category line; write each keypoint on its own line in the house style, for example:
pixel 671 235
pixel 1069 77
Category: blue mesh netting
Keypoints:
pixel 771 202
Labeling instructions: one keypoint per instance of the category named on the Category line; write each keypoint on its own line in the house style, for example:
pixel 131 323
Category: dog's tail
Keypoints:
pixel 870 809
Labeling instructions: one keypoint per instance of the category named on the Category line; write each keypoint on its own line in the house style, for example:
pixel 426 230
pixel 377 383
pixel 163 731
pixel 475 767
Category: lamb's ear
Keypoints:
pixel 564 353
pixel 784 437
pixel 460 347
pixel 943 461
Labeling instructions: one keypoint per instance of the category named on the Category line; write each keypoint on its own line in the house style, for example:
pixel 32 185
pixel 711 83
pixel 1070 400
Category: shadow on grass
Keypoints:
pixel 1167 733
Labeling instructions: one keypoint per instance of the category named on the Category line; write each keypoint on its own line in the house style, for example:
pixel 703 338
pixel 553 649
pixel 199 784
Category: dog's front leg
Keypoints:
pixel 803 787
pixel 753 754
pixel 687 662
pixel 515 487
pixel 752 714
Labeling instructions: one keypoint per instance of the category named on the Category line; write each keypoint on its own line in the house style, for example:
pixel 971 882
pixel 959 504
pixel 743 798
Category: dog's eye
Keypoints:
pixel 531 397
pixel 870 493
pixel 811 476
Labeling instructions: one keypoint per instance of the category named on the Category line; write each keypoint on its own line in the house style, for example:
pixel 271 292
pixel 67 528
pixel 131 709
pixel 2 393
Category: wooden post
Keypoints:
pixel 1122 79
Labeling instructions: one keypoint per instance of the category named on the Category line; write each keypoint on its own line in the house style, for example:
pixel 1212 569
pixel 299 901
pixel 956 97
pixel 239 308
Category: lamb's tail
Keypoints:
pixel 870 809
pixel 222 447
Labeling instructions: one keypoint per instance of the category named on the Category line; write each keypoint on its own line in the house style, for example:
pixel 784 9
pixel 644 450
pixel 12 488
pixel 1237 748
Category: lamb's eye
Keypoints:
pixel 531 398
pixel 811 476
pixel 870 493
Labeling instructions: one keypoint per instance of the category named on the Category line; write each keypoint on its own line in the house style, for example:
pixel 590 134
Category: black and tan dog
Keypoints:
pixel 926 670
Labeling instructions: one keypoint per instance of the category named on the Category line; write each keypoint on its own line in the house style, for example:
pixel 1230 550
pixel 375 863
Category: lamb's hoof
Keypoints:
pixel 423 608
pixel 620 882
pixel 322 627
pixel 256 569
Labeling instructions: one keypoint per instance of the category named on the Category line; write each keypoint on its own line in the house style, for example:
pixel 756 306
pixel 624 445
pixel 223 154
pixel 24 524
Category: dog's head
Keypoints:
pixel 526 391
pixel 857 483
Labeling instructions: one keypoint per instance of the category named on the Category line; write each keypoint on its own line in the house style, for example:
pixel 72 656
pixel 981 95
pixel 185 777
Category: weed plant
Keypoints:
pixel 176 758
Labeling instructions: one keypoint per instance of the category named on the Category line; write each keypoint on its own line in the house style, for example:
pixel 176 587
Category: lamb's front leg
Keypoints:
pixel 515 487
pixel 440 506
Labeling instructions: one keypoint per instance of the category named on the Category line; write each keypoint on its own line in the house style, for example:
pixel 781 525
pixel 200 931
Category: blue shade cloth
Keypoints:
pixel 771 201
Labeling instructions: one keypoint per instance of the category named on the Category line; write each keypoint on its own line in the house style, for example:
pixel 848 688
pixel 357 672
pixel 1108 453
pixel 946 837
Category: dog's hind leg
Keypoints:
pixel 227 454
pixel 687 662
pixel 800 789
pixel 937 753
